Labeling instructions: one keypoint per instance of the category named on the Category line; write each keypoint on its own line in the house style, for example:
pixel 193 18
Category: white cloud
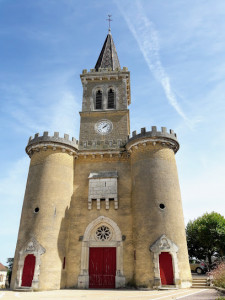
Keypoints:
pixel 48 104
pixel 147 38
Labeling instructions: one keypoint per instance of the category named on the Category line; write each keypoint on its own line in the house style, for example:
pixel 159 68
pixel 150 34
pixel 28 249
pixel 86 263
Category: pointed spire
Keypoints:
pixel 108 57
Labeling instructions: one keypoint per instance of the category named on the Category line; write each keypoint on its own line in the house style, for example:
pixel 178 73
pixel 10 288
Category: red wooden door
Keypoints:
pixel 102 268
pixel 166 268
pixel 28 270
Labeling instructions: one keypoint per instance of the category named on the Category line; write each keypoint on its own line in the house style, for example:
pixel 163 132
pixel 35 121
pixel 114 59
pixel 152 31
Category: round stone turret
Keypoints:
pixel 161 137
pixel 48 195
pixel 51 142
pixel 157 206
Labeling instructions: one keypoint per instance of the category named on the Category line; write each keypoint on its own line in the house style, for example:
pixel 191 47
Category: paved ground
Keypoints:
pixel 184 294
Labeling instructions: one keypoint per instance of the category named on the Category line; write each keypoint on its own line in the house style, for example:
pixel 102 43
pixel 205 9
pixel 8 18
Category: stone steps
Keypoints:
pixel 200 283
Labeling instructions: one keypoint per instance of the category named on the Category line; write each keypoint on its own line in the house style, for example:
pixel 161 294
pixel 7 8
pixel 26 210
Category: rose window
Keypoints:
pixel 103 233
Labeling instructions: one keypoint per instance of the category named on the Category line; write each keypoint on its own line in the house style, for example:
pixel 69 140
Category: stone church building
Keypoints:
pixel 104 212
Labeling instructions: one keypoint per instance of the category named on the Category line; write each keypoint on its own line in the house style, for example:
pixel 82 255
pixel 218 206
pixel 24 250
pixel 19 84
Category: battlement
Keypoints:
pixel 104 70
pixel 161 136
pixel 154 132
pixel 55 141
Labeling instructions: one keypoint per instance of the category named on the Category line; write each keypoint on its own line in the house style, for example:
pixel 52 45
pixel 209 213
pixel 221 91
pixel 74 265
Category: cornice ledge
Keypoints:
pixel 99 112
pixel 164 141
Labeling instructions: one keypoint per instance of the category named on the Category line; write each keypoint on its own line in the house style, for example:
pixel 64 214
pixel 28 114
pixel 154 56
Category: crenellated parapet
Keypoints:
pixel 45 142
pixel 104 70
pixel 166 139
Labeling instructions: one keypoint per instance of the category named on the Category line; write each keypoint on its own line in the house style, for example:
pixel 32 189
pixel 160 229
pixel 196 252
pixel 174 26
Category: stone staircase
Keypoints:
pixel 200 282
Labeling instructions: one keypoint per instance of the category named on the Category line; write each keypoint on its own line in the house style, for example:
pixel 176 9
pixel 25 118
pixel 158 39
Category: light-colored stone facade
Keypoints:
pixel 103 187
pixel 127 185
pixel 3 276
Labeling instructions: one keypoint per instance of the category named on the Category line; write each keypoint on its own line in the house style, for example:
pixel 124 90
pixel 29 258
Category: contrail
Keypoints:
pixel 147 38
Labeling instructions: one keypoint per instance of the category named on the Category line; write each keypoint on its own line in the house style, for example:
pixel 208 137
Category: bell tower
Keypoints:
pixel 105 212
pixel 105 122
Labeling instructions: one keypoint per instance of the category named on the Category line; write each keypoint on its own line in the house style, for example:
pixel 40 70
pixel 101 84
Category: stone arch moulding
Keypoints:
pixel 163 244
pixel 32 247
pixel 89 240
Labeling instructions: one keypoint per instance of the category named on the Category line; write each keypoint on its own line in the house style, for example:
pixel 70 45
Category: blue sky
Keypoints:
pixel 175 51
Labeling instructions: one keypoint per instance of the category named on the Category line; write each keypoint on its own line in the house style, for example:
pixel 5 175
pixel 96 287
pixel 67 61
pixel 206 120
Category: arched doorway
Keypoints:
pixel 102 255
pixel 29 255
pixel 165 262
pixel 166 268
pixel 28 270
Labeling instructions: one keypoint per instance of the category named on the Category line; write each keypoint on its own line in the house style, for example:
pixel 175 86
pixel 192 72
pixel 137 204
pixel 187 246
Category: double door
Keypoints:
pixel 102 267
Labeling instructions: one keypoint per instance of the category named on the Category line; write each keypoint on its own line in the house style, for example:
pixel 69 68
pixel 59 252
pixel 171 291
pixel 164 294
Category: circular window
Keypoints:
pixel 103 233
pixel 36 210
pixel 161 205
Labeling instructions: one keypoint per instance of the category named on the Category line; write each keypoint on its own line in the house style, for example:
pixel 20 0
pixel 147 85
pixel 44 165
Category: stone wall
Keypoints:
pixel 157 211
pixel 80 217
pixel 90 139
pixel 48 195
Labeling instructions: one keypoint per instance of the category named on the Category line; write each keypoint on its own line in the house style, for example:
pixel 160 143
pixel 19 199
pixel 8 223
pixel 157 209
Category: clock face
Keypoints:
pixel 103 127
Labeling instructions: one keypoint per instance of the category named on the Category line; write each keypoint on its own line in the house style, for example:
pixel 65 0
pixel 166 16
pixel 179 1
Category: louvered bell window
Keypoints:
pixel 98 103
pixel 111 100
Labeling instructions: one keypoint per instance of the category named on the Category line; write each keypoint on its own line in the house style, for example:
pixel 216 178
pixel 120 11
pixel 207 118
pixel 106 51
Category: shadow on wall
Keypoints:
pixel 62 243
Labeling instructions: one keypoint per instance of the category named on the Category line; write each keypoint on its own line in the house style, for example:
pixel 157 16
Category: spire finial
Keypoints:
pixel 110 20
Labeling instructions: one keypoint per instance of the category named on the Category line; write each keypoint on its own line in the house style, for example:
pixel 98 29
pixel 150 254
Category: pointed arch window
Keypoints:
pixel 98 100
pixel 111 99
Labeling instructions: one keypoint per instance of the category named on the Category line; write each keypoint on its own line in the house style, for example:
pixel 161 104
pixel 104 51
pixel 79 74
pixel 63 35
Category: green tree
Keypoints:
pixel 206 236
pixel 10 266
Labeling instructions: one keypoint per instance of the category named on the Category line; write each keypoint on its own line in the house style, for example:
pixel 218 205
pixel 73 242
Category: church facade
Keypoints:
pixel 104 212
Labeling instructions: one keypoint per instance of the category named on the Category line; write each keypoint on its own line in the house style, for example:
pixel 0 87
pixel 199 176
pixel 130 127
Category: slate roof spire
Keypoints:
pixel 108 57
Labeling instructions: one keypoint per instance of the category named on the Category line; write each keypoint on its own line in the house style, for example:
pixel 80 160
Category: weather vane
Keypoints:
pixel 110 20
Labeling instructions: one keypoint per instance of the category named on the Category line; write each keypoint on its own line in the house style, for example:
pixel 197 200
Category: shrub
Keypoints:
pixel 219 275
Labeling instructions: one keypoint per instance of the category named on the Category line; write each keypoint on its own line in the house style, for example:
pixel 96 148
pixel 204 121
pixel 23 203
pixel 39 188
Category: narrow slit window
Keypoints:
pixel 111 99
pixel 98 102
pixel 64 263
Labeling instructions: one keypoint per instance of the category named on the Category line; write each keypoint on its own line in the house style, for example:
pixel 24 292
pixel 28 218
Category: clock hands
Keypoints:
pixel 103 127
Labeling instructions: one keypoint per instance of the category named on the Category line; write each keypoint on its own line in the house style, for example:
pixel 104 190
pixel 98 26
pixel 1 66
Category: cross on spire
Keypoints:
pixel 110 20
